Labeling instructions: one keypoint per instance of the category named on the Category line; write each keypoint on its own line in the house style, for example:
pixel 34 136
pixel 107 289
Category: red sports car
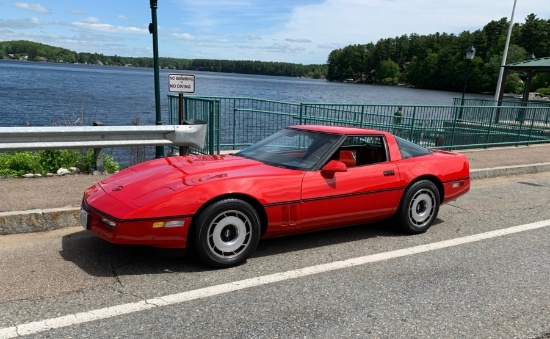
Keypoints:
pixel 302 178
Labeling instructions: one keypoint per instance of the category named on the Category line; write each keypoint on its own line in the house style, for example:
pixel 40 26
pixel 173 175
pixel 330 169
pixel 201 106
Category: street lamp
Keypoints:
pixel 470 53
pixel 159 150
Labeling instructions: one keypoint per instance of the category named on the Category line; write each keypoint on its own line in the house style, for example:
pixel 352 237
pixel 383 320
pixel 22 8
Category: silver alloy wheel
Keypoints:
pixel 421 209
pixel 229 234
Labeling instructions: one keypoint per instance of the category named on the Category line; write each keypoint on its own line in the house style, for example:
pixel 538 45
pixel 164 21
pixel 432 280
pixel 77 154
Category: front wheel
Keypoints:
pixel 226 233
pixel 419 207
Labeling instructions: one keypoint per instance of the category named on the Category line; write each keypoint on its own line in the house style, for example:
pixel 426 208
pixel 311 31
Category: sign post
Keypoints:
pixel 181 83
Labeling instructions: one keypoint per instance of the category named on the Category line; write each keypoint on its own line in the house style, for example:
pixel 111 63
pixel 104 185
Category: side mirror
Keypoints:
pixel 334 166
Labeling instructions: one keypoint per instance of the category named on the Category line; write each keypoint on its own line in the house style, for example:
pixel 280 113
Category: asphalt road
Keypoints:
pixel 474 274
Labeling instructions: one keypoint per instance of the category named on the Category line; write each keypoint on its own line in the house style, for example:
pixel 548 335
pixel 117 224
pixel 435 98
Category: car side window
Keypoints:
pixel 362 150
pixel 409 149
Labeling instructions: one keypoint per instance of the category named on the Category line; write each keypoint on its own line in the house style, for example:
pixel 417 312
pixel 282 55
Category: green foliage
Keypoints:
pixel 37 51
pixel 16 164
pixel 87 161
pixel 19 163
pixel 541 80
pixel 387 72
pixel 52 160
pixel 545 91
pixel 437 61
pixel 40 52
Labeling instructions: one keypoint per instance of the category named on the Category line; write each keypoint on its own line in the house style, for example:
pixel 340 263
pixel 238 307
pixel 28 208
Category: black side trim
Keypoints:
pixel 353 194
pixel 455 180
pixel 282 203
pixel 96 211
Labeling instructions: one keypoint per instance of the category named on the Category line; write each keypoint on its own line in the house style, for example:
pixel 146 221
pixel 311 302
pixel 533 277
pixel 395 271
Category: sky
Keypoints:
pixel 297 31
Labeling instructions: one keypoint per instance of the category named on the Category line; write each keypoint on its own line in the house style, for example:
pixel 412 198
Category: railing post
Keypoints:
pixel 211 127
pixel 98 155
pixel 218 112
pixel 521 120
pixel 234 138
pixel 455 119
pixel 531 127
pixel 411 130
pixel 489 130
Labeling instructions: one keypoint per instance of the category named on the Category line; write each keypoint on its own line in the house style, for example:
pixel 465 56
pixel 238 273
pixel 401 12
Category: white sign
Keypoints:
pixel 182 83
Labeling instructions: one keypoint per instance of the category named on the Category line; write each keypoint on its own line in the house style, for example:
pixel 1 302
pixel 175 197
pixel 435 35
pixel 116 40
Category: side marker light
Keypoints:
pixel 168 224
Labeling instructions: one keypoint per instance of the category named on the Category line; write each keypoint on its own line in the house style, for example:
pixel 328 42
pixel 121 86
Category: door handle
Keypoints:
pixel 388 173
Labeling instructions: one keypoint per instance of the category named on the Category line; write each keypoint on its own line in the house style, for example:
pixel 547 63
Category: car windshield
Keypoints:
pixel 294 149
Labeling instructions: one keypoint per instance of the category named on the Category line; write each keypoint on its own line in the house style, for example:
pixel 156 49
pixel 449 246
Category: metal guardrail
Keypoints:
pixel 70 137
pixel 98 137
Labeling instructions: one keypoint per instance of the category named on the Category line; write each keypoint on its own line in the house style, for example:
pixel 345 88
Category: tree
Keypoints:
pixel 534 35
pixel 387 73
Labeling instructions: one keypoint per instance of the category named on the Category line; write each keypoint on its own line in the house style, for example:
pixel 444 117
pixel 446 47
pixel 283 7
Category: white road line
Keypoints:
pixel 109 312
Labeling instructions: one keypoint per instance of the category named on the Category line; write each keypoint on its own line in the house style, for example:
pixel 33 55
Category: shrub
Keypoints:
pixel 16 164
pixel 19 163
pixel 545 92
pixel 52 160
pixel 87 161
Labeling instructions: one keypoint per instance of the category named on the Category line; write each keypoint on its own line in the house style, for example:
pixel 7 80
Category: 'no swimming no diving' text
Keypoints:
pixel 181 83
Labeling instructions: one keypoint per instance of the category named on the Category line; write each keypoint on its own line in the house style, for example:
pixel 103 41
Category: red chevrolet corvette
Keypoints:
pixel 300 179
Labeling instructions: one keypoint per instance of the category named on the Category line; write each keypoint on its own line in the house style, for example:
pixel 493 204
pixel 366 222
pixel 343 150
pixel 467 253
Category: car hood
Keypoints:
pixel 150 181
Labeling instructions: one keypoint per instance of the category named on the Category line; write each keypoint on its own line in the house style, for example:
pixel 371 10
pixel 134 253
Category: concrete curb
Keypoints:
pixel 485 173
pixel 38 220
pixel 50 219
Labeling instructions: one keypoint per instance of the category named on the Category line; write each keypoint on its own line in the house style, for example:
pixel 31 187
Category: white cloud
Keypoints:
pixel 183 36
pixel 76 12
pixel 21 23
pixel 94 24
pixel 298 40
pixel 91 20
pixel 32 7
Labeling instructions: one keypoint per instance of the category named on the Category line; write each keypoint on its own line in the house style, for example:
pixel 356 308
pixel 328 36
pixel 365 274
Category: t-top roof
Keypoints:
pixel 537 65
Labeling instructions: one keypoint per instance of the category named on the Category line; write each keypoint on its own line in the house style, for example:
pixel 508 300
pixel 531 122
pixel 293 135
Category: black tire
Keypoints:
pixel 226 233
pixel 419 207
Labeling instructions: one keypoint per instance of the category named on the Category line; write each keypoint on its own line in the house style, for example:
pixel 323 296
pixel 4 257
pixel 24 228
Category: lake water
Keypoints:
pixel 46 94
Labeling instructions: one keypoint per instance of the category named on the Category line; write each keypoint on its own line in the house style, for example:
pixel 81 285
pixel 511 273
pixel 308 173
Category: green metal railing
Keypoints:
pixel 508 108
pixel 235 123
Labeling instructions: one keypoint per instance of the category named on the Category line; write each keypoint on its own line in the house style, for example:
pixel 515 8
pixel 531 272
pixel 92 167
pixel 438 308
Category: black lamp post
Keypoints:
pixel 159 150
pixel 470 53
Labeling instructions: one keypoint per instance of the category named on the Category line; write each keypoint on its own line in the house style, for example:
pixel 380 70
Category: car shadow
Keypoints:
pixel 304 241
pixel 100 258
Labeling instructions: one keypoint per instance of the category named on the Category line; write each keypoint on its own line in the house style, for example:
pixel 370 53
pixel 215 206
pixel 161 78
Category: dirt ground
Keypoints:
pixel 21 194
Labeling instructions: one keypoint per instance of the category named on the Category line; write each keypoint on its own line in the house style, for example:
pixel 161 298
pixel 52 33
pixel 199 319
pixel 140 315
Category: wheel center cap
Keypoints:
pixel 228 233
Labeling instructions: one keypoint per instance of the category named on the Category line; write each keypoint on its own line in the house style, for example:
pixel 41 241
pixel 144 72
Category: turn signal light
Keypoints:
pixel 167 224
pixel 108 222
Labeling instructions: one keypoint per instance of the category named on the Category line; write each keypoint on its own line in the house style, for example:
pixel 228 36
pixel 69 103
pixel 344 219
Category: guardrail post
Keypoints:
pixel 98 156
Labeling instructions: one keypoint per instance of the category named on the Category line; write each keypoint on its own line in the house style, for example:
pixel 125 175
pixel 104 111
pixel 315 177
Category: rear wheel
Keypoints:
pixel 419 207
pixel 226 233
